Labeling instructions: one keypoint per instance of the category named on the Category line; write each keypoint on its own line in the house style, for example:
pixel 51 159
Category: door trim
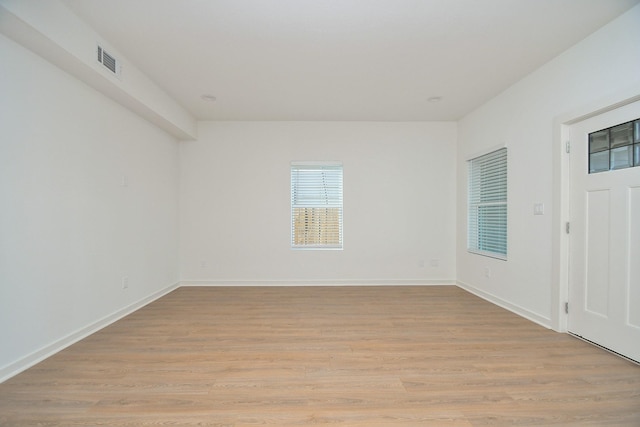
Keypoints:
pixel 561 195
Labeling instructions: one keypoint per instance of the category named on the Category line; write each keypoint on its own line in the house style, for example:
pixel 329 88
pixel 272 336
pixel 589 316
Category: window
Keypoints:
pixel 617 147
pixel 316 205
pixel 487 216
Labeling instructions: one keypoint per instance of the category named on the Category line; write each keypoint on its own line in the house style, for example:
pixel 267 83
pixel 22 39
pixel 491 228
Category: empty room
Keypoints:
pixel 302 212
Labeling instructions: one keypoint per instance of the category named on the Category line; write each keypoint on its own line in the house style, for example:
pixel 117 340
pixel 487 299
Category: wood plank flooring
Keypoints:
pixel 349 356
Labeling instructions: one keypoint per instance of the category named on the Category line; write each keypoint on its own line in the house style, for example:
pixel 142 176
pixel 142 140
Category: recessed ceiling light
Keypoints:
pixel 208 97
pixel 434 99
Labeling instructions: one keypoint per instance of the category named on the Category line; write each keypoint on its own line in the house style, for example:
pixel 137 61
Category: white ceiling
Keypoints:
pixel 341 59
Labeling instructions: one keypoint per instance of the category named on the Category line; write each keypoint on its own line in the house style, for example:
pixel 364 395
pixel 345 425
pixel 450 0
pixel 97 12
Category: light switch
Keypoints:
pixel 538 209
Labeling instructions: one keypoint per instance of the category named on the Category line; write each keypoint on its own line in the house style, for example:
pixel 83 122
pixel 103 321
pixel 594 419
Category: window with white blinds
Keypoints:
pixel 487 216
pixel 316 205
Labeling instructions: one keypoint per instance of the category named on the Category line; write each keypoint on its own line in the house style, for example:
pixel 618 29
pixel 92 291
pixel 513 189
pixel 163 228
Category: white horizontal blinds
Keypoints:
pixel 316 205
pixel 487 226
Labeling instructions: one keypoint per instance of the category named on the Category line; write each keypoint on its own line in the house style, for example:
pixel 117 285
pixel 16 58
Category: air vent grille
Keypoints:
pixel 107 60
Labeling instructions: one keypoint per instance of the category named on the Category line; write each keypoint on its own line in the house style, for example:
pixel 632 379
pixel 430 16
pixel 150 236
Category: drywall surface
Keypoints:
pixel 89 195
pixel 523 118
pixel 399 202
pixel 52 31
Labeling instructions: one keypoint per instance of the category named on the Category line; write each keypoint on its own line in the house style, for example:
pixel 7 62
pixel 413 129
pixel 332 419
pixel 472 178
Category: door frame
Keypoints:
pixel 562 193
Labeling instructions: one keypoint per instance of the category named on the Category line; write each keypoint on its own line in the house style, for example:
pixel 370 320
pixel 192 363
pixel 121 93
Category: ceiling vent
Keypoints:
pixel 109 61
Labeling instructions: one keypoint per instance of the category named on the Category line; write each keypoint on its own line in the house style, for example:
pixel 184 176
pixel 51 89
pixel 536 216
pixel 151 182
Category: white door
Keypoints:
pixel 604 259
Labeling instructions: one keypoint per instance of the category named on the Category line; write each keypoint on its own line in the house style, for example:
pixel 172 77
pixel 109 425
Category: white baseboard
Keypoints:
pixel 520 311
pixel 317 282
pixel 37 356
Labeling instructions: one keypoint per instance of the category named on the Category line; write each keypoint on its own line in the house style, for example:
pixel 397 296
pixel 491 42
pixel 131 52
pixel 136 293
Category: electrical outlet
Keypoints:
pixel 538 209
pixel 435 262
pixel 487 272
pixel 125 282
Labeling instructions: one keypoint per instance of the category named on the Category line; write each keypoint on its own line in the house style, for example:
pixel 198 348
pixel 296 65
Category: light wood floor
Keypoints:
pixel 350 356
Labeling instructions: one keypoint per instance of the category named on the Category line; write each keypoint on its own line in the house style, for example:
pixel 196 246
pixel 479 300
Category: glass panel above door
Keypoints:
pixel 617 147
pixel 622 135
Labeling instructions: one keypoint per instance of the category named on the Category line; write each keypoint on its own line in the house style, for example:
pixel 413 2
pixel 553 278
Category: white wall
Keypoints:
pixel 399 202
pixel 51 30
pixel 523 117
pixel 69 230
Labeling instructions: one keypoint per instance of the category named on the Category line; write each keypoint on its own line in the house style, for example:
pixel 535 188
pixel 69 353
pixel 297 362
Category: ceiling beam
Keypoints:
pixel 53 32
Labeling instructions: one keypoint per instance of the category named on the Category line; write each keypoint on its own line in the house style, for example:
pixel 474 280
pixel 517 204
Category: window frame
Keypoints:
pixel 333 199
pixel 489 190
